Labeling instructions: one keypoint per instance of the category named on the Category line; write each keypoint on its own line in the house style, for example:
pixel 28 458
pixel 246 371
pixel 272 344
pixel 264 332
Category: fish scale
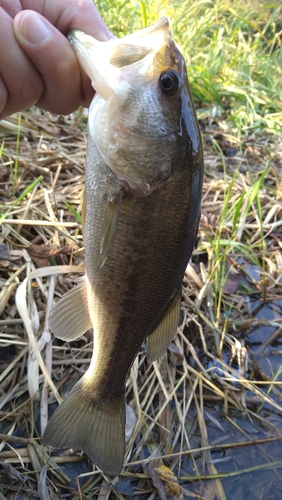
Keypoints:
pixel 143 183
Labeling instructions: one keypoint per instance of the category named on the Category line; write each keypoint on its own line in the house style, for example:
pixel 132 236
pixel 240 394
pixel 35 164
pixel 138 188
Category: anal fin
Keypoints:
pixel 69 317
pixel 160 339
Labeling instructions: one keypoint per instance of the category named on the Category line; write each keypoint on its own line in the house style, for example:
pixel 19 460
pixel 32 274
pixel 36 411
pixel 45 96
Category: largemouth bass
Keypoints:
pixel 144 172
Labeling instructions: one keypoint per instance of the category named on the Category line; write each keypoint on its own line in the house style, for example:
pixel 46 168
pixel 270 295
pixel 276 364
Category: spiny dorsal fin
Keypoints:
pixel 162 336
pixel 109 228
pixel 69 317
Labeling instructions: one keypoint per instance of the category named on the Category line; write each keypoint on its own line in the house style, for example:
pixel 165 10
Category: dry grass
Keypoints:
pixel 208 402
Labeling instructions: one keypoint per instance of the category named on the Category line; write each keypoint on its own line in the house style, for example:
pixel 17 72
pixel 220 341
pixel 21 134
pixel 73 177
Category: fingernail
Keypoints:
pixel 33 29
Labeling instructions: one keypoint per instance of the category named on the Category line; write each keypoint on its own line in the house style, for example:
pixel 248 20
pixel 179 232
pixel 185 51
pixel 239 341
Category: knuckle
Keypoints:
pixel 19 91
pixel 31 90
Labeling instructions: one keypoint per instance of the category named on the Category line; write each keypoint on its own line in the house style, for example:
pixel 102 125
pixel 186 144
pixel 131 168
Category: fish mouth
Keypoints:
pixel 103 61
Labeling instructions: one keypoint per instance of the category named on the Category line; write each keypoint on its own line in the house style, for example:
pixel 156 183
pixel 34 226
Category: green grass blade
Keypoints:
pixel 21 197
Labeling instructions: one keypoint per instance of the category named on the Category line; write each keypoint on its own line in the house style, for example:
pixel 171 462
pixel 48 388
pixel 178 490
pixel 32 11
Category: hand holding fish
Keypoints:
pixel 37 63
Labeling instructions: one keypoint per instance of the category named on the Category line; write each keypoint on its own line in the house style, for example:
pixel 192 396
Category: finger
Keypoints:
pixel 70 14
pixel 11 7
pixel 20 84
pixel 53 57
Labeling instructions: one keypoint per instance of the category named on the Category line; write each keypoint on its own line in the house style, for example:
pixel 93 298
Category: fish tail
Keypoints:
pixel 96 427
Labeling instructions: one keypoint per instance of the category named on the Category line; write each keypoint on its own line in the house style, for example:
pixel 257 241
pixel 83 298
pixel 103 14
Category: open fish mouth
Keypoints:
pixel 102 60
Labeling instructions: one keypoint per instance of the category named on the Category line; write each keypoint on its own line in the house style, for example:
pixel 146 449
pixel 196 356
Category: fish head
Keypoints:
pixel 136 116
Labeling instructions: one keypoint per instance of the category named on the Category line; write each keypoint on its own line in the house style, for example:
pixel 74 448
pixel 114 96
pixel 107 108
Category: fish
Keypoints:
pixel 141 210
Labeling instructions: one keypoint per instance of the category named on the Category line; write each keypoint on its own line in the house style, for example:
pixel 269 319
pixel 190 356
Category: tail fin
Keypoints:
pixel 96 428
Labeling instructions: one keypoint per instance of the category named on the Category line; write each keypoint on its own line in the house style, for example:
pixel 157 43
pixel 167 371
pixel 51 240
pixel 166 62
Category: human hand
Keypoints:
pixel 37 63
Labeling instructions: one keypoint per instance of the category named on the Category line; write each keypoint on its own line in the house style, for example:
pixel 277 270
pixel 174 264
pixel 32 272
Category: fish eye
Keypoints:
pixel 169 82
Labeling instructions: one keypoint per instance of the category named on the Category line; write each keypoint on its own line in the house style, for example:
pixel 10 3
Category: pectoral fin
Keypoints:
pixel 109 228
pixel 162 336
pixel 69 317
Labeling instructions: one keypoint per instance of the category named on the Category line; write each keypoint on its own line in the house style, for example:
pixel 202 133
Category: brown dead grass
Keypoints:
pixel 206 378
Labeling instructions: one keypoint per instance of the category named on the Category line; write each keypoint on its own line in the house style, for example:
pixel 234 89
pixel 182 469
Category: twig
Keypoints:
pixel 48 357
